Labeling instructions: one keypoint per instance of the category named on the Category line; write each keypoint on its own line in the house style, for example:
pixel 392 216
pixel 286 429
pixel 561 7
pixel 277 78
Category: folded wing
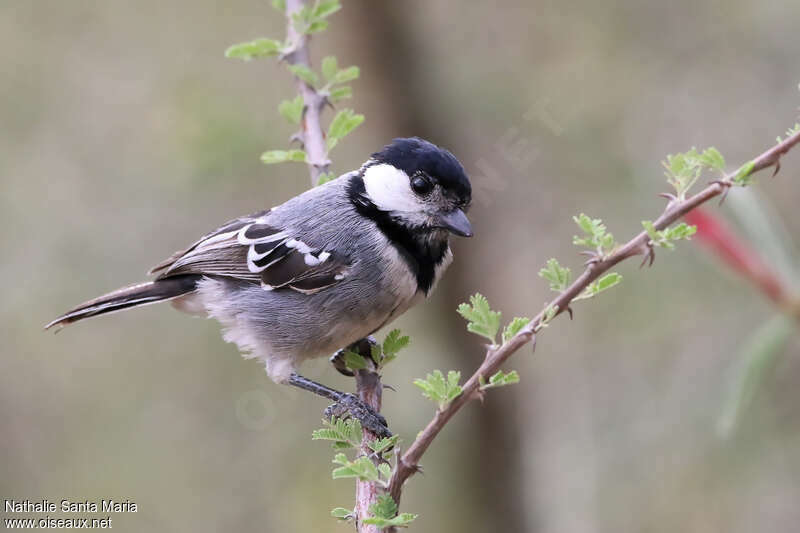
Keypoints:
pixel 251 249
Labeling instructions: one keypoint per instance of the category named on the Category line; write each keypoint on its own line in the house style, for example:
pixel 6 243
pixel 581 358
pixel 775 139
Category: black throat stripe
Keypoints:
pixel 421 254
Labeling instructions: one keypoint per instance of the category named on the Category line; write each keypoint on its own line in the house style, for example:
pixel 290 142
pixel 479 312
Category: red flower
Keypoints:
pixel 714 233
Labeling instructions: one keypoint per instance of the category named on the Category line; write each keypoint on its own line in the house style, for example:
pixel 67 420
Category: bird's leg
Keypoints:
pixel 346 404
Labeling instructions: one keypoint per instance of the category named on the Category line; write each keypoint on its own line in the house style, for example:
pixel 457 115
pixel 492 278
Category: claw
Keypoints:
pixel 337 360
pixel 350 405
pixel 364 347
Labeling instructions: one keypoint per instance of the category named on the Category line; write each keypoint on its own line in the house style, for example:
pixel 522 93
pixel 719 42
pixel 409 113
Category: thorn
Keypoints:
pixel 594 257
pixel 569 310
pixel 669 196
pixel 297 137
pixel 385 386
pixel 479 394
pixel 726 186
pixel 533 344
pixel 325 101
pixel 649 255
pixel 777 166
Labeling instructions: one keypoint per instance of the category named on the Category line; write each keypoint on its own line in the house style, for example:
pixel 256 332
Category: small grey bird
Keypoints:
pixel 321 271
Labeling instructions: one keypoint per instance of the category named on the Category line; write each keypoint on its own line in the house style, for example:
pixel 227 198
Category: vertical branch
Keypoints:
pixel 369 388
pixel 311 134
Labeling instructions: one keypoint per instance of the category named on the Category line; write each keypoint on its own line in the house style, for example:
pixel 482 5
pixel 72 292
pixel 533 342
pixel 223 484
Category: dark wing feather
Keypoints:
pixel 250 249
pixel 229 226
pixel 294 272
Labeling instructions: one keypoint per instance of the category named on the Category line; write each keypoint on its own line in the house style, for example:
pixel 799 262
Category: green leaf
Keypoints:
pixel 362 468
pixel 711 158
pixel 280 156
pixel 340 93
pixel 401 520
pixel 280 5
pixel 347 74
pixel 256 48
pixel 558 276
pixel 791 131
pixel 292 110
pixel 438 389
pixel 549 314
pixel 354 361
pixel 342 124
pixel 381 445
pixel 595 235
pixel 743 175
pixel 514 327
pixel 606 282
pixel 326 8
pixel 500 379
pixel 342 514
pixel 666 238
pixel 384 507
pixel 392 344
pixel 385 470
pixel 683 170
pixel 481 320
pixel 384 514
pixel 325 177
pixel 342 433
pixel 304 73
pixel 330 66
pixel 316 27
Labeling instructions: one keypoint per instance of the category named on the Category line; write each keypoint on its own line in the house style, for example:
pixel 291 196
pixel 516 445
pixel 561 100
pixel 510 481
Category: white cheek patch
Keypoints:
pixel 389 189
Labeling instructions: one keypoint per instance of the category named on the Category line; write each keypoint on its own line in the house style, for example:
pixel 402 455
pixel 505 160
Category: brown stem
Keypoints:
pixel 408 463
pixel 311 135
pixel 369 388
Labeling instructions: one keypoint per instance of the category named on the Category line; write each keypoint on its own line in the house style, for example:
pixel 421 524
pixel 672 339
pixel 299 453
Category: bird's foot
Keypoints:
pixel 351 406
pixel 363 347
pixel 337 360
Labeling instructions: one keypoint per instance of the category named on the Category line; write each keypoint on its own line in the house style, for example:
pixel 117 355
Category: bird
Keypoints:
pixel 321 271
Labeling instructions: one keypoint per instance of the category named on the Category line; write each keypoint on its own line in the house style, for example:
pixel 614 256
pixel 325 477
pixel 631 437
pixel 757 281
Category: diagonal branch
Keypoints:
pixel 408 463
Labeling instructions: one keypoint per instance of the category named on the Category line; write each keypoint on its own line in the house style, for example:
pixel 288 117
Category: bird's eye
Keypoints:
pixel 421 184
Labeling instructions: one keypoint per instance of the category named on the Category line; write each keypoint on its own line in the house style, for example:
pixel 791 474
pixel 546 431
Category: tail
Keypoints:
pixel 132 296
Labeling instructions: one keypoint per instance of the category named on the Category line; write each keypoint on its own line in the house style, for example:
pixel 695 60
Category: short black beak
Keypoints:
pixel 456 222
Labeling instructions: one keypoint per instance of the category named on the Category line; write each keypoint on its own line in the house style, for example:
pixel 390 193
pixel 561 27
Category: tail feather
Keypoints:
pixel 131 296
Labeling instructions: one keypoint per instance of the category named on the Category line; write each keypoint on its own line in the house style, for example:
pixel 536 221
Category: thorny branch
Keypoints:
pixel 408 462
pixel 312 136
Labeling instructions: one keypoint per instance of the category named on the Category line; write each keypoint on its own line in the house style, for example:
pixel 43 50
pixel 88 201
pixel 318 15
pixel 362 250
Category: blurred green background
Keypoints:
pixel 127 134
